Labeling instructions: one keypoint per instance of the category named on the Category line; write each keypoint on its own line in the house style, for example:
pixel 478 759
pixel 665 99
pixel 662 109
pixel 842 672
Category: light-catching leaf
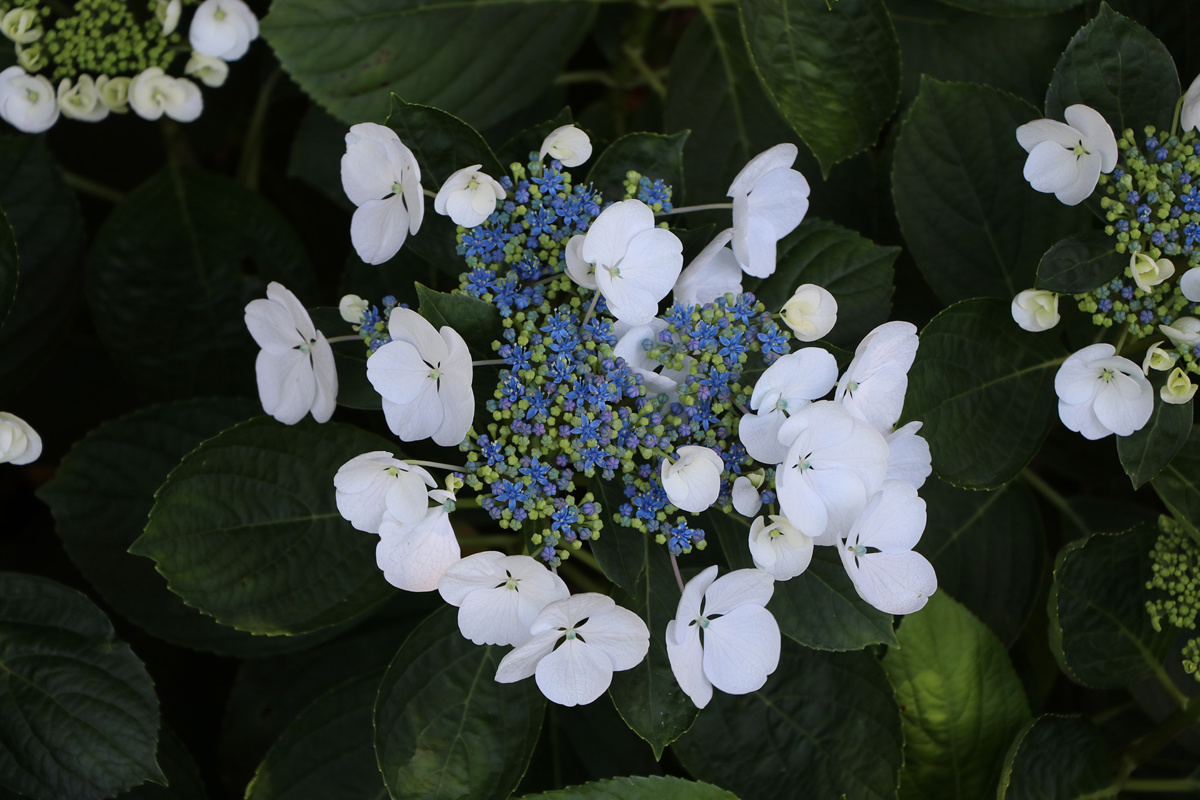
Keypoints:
pixel 247 530
pixel 654 155
pixel 984 389
pixel 961 702
pixel 1056 756
pixel 655 787
pixel 78 716
pixel 620 551
pixel 1145 452
pixel 1178 484
pixel 1080 263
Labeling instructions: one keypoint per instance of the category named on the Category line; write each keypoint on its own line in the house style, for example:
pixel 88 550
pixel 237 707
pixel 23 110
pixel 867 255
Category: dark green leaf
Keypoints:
pixel 834 73
pixel 352 56
pixel 620 551
pixel 972 222
pixel 474 320
pixel 316 154
pixel 350 358
pixel 961 702
pixel 651 788
pixel 855 270
pixel 1013 8
pixel 442 142
pixel 1055 756
pixel 247 530
pixel 985 390
pixel 78 715
pixel 1080 263
pixel 1118 68
pixel 1178 484
pixel 444 728
pixel 1146 452
pixel 988 551
pixel 652 154
pixel 168 287
pixel 518 148
pixel 825 724
pixel 1099 629
pixel 648 697
pixel 101 496
pixel 180 770
pixel 8 267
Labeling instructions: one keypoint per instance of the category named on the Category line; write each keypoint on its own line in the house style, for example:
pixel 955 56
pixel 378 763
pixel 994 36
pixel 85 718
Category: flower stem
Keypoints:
pixel 1163 785
pixel 675 566
pixel 429 192
pixel 688 209
pixel 436 465
pixel 247 171
pixel 1055 499
pixel 347 338
pixel 491 362
pixel 94 188
pixel 585 76
pixel 591 308
pixel 1149 745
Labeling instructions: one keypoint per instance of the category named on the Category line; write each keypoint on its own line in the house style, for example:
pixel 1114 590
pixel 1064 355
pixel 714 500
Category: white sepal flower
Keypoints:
pixel 167 12
pixel 1101 393
pixel 209 70
pixel 1035 310
pixel 779 548
pixel 27 102
pixel 785 387
pixel 377 484
pixel 811 312
pixel 20 25
pixel 1189 284
pixel 569 145
pixel 424 377
pixel 1189 114
pixel 1067 160
pixel 81 101
pixel 1157 358
pixel 295 368
pixel 874 385
pixel 746 499
pixel 114 93
pixel 693 483
pixel 723 635
pixel 834 464
pixel 598 638
pixel 499 596
pixel 19 442
pixel 633 263
pixel 1148 273
pixel 415 556
pixel 712 274
pixel 381 176
pixel 153 93
pixel 31 57
pixel 468 196
pixel 223 29
pixel 769 200
pixel 655 377
pixel 878 552
pixel 909 459
pixel 1183 332
pixel 352 307
pixel 1178 389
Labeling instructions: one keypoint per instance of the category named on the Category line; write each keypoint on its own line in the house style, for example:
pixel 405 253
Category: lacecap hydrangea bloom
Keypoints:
pixel 1067 159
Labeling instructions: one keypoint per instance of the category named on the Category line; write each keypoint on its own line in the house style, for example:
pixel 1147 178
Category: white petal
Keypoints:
pixel 895 583
pixel 286 385
pixel 479 571
pixel 414 557
pixel 610 233
pixel 1081 417
pixel 781 156
pixel 738 588
pixel 1190 284
pixel 367 170
pixel 746 499
pixel 399 373
pixel 741 649
pixel 687 662
pixel 579 270
pixel 1098 137
pixel 1031 134
pixel 523 660
pixel 619 633
pixel 759 434
pixel 908 456
pixel 575 674
pixel 378 229
pixel 781 199
pixel 893 521
pixel 1124 404
pixel 19 442
pixel 489 616
pixel 690 601
pixel 325 372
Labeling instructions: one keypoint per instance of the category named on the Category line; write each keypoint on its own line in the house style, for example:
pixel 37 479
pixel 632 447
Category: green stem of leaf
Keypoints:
pixel 347 338
pixel 94 188
pixel 1055 499
pixel 1163 785
pixel 1149 745
pixel 439 465
pixel 587 558
pixel 586 76
pixel 689 209
pixel 247 171
pixel 634 54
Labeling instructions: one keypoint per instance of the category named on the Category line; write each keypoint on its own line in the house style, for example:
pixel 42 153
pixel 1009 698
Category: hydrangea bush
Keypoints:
pixel 577 400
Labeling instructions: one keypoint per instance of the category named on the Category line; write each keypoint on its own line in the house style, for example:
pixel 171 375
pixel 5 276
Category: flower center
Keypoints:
pixel 1106 375
pixel 435 373
pixel 1080 150
pixel 852 387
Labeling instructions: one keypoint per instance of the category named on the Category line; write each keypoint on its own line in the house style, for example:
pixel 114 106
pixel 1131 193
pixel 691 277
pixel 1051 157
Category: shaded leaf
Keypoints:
pixel 350 359
pixel 1145 452
pixel 1178 484
pixel 1080 263
pixel 1015 8
pixel 651 788
pixel 441 142
pixel 1056 756
pixel 476 321
pixel 620 551
pixel 654 155
pixel 8 267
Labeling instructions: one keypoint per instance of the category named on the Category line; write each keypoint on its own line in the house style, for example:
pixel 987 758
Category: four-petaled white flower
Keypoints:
pixel 499 596
pixel 114 93
pixel 779 548
pixel 878 552
pixel 723 635
pixel 1189 114
pixel 693 483
pixel 352 307
pixel 27 102
pixel 19 442
pixel 1178 389
pixel 1101 393
pixel 632 263
pixel 295 368
pixel 81 101
pixel 1183 332
pixel 769 200
pixel 1148 273
pixel 568 144
pixel 1067 159
pixel 468 196
pixel 597 637
pixel 223 29
pixel 424 377
pixel 785 387
pixel 712 274
pixel 378 484
pixel 811 312
pixel 153 93
pixel 1035 310
pixel 381 176
pixel 209 70
pixel 415 555
pixel 874 385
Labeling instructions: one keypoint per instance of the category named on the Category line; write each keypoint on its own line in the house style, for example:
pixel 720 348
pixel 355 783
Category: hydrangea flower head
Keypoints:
pixel 381 176
pixel 568 144
pixel 378 484
pixel 878 551
pixel 1100 393
pixel 468 196
pixel 769 200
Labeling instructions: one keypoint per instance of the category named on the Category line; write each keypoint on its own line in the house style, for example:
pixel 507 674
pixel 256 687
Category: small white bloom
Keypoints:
pixel 223 29
pixel 1183 332
pixel 27 102
pixel 21 25
pixel 874 385
pixel 632 263
pixel 154 93
pixel 1101 393
pixel 295 368
pixel 31 57
pixel 1178 389
pixel 598 638
pixel 1035 310
pixel 209 70
pixel 415 556
pixel 878 552
pixel 811 312
pixel 769 200
pixel 1157 358
pixel 352 307
pixel 114 93
pixel 1067 160
pixel 1148 273
pixel 712 274
pixel 569 145
pixel 381 176
pixel 779 549
pixel 631 346
pixel 746 499
pixel 909 459
pixel 723 635
pixel 785 387
pixel 1189 114
pixel 376 484
pixel 694 481
pixel 468 196
pixel 167 12
pixel 19 442
pixel 1189 284
pixel 81 101
pixel 424 377
pixel 499 596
